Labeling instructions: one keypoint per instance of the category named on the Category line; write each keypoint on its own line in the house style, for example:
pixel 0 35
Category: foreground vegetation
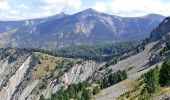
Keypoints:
pixel 151 84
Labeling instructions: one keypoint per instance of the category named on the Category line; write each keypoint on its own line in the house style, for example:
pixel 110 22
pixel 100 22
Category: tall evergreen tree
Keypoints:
pixel 165 73
pixel 151 80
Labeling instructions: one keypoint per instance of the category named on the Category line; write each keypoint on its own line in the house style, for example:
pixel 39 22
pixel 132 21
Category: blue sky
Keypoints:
pixel 26 9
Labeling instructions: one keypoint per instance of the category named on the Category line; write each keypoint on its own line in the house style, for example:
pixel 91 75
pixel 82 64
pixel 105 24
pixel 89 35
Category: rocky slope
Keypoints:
pixel 25 78
pixel 140 63
pixel 28 75
pixel 137 65
pixel 86 27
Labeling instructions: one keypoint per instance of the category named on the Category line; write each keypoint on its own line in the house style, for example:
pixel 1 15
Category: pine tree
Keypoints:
pixel 151 80
pixel 165 73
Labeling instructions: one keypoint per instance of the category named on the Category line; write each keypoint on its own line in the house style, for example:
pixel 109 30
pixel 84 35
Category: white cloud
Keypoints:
pixel 60 5
pixel 9 9
pixel 42 8
pixel 23 6
pixel 133 7
pixel 4 5
pixel 100 6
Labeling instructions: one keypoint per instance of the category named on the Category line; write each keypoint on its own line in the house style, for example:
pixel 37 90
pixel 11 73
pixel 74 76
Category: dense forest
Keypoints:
pixel 102 52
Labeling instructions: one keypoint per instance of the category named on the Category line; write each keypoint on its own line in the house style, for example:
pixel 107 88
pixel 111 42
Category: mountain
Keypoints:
pixel 35 74
pixel 8 25
pixel 86 27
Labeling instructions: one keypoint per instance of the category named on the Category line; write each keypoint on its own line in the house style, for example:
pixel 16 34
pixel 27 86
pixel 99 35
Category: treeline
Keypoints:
pixel 12 54
pixel 102 52
pixel 113 78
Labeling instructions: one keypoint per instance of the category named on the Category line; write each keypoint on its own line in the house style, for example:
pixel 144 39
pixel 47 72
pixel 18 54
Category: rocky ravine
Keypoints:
pixel 78 73
pixel 15 84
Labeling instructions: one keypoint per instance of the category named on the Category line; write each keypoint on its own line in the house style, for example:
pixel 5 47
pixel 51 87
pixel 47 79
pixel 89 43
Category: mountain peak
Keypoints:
pixel 61 13
pixel 90 10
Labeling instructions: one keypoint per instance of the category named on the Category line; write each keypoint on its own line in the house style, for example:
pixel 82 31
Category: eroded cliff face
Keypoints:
pixel 78 73
pixel 14 81
pixel 18 80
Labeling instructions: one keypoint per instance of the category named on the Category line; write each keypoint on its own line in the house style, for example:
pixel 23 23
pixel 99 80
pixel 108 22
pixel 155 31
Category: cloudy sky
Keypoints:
pixel 25 9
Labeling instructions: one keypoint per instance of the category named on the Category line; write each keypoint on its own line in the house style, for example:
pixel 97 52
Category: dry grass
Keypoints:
pixel 48 68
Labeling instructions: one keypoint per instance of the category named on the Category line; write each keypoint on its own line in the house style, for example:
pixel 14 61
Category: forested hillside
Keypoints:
pixel 102 52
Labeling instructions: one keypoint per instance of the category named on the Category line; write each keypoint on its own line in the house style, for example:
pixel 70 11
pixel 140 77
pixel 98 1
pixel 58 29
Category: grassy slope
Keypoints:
pixel 47 68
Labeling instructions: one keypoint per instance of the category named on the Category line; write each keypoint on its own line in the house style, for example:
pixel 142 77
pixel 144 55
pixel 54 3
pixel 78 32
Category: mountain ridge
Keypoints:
pixel 86 27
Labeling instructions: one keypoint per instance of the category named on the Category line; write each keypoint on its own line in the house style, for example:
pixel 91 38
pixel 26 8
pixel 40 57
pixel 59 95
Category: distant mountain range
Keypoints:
pixel 86 27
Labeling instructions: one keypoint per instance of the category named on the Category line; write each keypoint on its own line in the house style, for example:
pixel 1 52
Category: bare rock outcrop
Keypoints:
pixel 78 73
pixel 8 91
